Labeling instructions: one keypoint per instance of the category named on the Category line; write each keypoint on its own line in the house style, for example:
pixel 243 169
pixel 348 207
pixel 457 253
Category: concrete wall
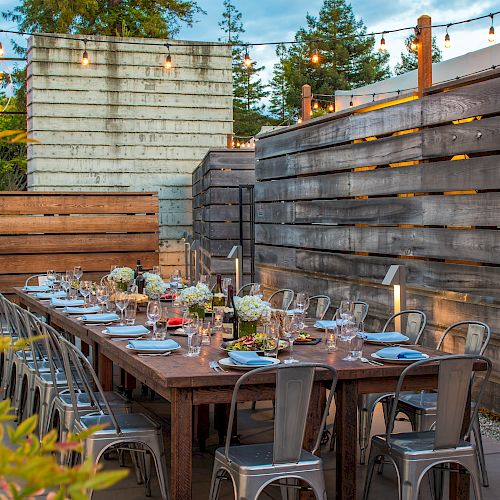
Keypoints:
pixel 124 123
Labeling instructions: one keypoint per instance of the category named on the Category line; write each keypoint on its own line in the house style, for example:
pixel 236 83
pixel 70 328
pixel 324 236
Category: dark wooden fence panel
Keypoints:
pixel 341 198
pixel 40 231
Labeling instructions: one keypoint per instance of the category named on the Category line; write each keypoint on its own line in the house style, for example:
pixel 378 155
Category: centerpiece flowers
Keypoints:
pixel 250 311
pixel 122 276
pixel 153 285
pixel 195 298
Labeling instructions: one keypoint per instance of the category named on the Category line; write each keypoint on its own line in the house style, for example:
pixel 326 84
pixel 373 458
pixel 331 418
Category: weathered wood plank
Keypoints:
pixel 221 213
pixel 221 230
pixel 473 245
pixel 229 178
pixel 440 210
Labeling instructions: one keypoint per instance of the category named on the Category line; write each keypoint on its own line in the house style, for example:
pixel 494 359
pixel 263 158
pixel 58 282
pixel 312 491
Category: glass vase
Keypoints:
pixel 246 328
pixel 197 310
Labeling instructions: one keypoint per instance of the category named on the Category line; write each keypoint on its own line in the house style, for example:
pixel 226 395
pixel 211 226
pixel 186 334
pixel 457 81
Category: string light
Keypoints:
pixel 382 47
pixel 85 55
pixel 2 52
pixel 415 40
pixel 247 61
pixel 331 107
pixel 315 56
pixel 316 105
pixel 299 121
pixel 447 41
pixel 168 59
pixel 350 102
pixel 491 33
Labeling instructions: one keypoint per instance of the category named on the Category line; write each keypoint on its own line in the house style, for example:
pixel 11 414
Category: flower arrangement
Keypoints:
pixel 122 275
pixel 252 308
pixel 153 285
pixel 196 295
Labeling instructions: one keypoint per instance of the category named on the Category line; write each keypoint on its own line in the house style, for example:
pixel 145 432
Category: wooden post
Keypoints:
pixel 229 141
pixel 424 54
pixel 306 102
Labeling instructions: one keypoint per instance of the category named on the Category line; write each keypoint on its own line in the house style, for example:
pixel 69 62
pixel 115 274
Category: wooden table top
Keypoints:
pixel 177 370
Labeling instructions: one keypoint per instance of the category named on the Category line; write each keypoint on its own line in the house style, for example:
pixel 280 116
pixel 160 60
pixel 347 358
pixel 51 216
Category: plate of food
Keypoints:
pixel 305 338
pixel 255 343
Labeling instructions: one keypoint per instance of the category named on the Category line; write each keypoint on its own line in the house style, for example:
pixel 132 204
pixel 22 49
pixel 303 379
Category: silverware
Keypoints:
pixel 126 338
pixel 216 367
pixel 98 324
pixel 371 362
pixel 156 354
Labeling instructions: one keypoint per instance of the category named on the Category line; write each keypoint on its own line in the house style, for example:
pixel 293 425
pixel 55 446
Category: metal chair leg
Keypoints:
pixel 476 430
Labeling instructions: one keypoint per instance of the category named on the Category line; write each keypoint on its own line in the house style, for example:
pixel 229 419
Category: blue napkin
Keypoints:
pixel 100 317
pixel 50 295
pixel 249 358
pixel 66 302
pixel 160 345
pixel 37 288
pixel 127 330
pixel 323 323
pixel 399 353
pixel 386 337
pixel 81 310
pixel 291 312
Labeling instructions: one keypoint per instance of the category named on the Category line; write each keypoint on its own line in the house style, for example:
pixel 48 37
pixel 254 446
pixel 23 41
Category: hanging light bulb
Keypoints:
pixel 316 105
pixel 415 40
pixel 351 103
pixel 382 47
pixel 85 55
pixel 447 41
pixel 315 56
pixel 247 61
pixel 299 121
pixel 238 144
pixel 2 52
pixel 491 33
pixel 331 107
pixel 168 59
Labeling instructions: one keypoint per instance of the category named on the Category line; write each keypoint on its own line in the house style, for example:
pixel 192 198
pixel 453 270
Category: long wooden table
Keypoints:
pixel 187 382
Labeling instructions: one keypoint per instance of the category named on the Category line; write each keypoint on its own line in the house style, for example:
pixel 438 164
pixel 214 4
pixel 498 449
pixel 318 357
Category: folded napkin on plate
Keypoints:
pixel 174 322
pixel 37 288
pixel 291 312
pixel 399 353
pixel 323 323
pixel 127 330
pixel 249 358
pixel 81 310
pixel 167 296
pixel 100 317
pixel 386 337
pixel 66 302
pixel 50 295
pixel 160 345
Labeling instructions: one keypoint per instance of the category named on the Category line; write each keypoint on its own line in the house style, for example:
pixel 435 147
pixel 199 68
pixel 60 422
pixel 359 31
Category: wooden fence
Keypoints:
pixel 216 209
pixel 413 182
pixel 40 231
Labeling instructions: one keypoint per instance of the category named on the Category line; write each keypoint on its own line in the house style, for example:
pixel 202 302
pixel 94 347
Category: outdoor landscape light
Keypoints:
pixel 85 55
pixel 396 276
pixel 236 254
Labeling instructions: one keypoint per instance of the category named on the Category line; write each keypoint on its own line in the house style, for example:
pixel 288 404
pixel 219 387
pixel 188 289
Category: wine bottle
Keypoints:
pixel 228 321
pixel 218 296
pixel 139 277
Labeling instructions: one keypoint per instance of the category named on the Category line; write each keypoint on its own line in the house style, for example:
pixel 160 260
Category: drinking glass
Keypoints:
pixel 65 283
pixel 331 339
pixel 121 302
pixel 348 332
pixel 292 330
pixel 203 279
pixel 301 302
pixel 130 313
pixel 56 282
pixel 205 331
pixel 218 320
pixel 50 277
pixel 272 339
pixel 85 290
pixel 77 272
pixel 102 295
pixel 153 312
pixel 346 310
pixel 225 285
pixel 357 343
pixel 255 290
pixel 195 344
pixel 190 324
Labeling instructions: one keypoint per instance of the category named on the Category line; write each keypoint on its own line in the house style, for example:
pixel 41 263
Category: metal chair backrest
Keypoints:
pixel 456 374
pixel 360 310
pixel 282 299
pixel 322 305
pixel 294 385
pixel 104 279
pixel 29 327
pixel 477 337
pixel 51 338
pixel 41 279
pixel 414 326
pixel 7 314
pixel 83 379
pixel 245 289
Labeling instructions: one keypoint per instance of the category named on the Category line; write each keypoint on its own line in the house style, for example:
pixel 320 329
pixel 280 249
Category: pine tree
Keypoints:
pixel 409 59
pixel 347 56
pixel 279 87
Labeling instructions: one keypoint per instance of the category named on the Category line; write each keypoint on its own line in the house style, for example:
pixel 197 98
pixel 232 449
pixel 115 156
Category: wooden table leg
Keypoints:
pixel 105 372
pixel 85 349
pixel 346 422
pixel 202 425
pixel 181 444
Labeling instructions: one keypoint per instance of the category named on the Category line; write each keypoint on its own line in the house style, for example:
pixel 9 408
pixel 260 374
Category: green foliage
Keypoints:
pixel 248 122
pixel 347 60
pixel 142 18
pixel 409 59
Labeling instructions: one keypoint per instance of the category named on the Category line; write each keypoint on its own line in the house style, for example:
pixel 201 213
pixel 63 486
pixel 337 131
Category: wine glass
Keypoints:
pixel 255 290
pixel 56 282
pixel 50 277
pixel 346 311
pixel 121 302
pixel 102 295
pixel 153 312
pixel 225 285
pixel 85 290
pixel 292 330
pixel 65 283
pixel 77 272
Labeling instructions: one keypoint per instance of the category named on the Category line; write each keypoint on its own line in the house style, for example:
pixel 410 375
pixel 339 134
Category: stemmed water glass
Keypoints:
pixel 85 290
pixel 292 330
pixel 153 312
pixel 77 272
pixel 301 302
pixel 65 283
pixel 121 302
pixel 102 295
pixel 51 275
pixel 255 290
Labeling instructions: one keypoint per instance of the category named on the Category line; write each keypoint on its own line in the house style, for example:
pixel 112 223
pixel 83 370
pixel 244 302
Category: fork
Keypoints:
pixel 371 362
pixel 215 366
pixel 156 354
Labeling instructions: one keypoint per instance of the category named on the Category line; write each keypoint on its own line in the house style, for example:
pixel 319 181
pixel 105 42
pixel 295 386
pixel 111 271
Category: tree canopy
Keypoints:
pixel 409 59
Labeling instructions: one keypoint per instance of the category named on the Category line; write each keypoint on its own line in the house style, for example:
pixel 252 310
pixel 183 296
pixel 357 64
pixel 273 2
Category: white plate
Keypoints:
pixel 229 363
pixel 399 361
pixel 151 351
pixel 127 335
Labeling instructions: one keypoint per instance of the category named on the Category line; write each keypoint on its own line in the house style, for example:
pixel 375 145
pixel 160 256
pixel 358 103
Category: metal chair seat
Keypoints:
pixel 136 423
pixel 46 378
pixel 259 456
pixel 84 401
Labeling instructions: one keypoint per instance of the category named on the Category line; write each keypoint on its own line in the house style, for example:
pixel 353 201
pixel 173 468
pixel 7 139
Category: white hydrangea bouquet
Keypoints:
pixel 252 309
pixel 195 298
pixel 153 285
pixel 122 276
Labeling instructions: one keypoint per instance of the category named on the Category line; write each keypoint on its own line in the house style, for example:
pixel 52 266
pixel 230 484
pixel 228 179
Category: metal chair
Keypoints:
pixel 421 407
pixel 37 276
pixel 360 310
pixel 322 305
pixel 253 467
pixel 282 299
pixel 413 454
pixel 245 289
pixel 414 327
pixel 133 432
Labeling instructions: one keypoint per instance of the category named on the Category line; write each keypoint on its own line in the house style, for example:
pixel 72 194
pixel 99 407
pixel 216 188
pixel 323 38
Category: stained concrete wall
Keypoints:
pixel 124 123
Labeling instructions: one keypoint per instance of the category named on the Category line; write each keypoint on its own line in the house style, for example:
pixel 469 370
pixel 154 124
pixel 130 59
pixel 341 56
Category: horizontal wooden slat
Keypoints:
pixel 60 262
pixel 25 224
pixel 440 210
pixel 221 213
pixel 221 230
pixel 471 245
pixel 230 178
pixel 221 195
pixel 68 243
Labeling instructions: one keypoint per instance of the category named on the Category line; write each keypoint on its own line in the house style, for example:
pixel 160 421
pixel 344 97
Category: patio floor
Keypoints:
pixel 256 426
